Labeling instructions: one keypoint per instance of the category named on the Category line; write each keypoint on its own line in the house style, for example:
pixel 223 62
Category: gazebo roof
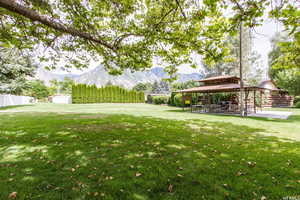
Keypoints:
pixel 219 78
pixel 219 88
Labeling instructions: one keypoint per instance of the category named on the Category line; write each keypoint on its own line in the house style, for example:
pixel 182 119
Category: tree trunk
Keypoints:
pixel 241 74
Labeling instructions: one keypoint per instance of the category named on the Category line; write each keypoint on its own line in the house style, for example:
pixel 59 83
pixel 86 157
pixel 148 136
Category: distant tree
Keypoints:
pixel 108 83
pixel 160 87
pixel 155 88
pixel 142 87
pixel 289 80
pixel 275 53
pixel 61 87
pixel 15 68
pixel 184 85
pixel 256 72
pixel 37 89
pixel 164 86
pixel 290 55
pixel 66 85
pixel 286 77
pixel 54 87
pixel 252 67
pixel 231 67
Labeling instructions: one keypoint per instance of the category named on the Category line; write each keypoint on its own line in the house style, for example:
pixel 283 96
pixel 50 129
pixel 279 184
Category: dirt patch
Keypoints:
pixel 97 116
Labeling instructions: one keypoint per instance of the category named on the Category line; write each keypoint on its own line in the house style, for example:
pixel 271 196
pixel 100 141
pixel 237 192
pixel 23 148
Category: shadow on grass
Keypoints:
pixel 13 107
pixel 294 118
pixel 89 156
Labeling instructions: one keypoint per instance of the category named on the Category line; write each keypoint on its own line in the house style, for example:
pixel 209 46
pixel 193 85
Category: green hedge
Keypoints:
pixel 160 99
pixel 82 93
pixel 297 105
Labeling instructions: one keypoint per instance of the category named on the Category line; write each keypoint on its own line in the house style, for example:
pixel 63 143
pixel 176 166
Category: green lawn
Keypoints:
pixel 138 151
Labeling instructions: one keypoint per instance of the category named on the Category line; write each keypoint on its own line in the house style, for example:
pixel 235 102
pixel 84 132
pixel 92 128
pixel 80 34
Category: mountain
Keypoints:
pixel 99 76
pixel 47 76
pixel 159 72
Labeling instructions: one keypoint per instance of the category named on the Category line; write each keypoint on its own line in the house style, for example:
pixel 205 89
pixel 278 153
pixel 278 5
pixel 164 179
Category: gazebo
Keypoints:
pixel 220 94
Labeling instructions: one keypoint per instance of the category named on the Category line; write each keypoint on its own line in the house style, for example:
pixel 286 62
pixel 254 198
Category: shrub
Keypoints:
pixel 296 100
pixel 172 99
pixel 178 100
pixel 297 105
pixel 149 99
pixel 160 99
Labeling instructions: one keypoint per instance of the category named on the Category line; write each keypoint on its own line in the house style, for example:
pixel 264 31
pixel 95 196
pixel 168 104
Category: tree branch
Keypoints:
pixel 239 6
pixel 164 16
pixel 119 39
pixel 13 6
pixel 183 14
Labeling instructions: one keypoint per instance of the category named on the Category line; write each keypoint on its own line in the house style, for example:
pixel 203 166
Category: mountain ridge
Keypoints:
pixel 100 77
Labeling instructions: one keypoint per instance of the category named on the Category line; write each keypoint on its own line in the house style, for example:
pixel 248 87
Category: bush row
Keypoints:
pixel 83 93
pixel 160 99
pixel 174 100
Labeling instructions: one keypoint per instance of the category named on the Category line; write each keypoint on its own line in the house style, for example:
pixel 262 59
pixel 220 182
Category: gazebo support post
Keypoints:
pixel 246 102
pixel 182 101
pixel 261 101
pixel 204 102
pixel 208 102
pixel 191 103
pixel 254 100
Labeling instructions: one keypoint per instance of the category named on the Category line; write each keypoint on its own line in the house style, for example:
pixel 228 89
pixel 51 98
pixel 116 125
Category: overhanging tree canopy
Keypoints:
pixel 130 33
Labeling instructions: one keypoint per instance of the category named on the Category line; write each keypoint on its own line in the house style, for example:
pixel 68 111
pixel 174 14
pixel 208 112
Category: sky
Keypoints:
pixel 262 36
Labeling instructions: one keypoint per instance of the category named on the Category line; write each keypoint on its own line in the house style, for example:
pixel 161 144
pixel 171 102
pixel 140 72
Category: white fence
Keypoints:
pixel 64 99
pixel 13 100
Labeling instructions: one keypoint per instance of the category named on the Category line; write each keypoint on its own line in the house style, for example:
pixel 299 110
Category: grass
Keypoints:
pixel 137 151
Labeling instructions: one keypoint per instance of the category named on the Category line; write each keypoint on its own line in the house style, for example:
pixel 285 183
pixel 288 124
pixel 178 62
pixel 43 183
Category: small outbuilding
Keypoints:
pixel 274 96
pixel 62 99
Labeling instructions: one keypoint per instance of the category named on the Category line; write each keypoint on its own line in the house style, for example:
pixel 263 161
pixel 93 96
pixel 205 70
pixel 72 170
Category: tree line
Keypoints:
pixel 163 87
pixel 284 69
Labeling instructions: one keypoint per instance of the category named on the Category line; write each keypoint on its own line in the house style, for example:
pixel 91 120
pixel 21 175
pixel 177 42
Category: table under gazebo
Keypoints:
pixel 203 98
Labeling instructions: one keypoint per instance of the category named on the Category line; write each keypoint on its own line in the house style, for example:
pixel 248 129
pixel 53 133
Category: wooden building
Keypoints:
pixel 275 97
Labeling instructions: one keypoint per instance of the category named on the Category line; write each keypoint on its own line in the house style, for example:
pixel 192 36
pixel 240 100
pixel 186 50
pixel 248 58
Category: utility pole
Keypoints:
pixel 241 74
